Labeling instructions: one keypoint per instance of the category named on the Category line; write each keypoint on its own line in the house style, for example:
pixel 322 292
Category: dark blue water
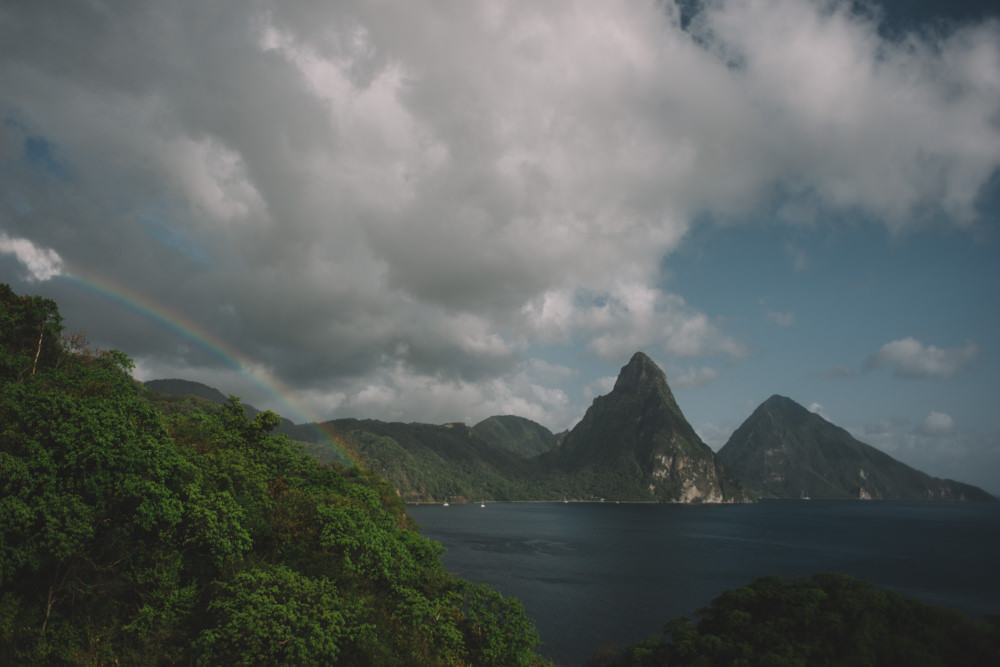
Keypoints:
pixel 589 574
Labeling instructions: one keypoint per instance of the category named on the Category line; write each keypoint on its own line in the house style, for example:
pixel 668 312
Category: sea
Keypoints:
pixel 591 574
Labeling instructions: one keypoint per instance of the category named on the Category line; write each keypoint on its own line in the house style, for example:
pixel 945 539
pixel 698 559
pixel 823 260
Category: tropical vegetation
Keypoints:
pixel 132 534
pixel 824 621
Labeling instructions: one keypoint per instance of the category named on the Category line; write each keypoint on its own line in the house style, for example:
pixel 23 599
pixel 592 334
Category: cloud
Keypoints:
pixel 41 263
pixel 629 317
pixel 781 319
pixel 599 387
pixel 818 409
pixel 715 435
pixel 911 359
pixel 694 377
pixel 938 423
pixel 397 393
pixel 391 193
pixel 938 447
pixel 800 262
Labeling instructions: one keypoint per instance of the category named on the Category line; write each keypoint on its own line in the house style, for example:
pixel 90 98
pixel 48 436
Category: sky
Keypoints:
pixel 442 211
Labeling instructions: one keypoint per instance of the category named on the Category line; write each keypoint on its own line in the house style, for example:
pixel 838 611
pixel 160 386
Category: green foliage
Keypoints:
pixel 30 332
pixel 485 611
pixel 275 615
pixel 194 535
pixel 517 434
pixel 434 463
pixel 826 620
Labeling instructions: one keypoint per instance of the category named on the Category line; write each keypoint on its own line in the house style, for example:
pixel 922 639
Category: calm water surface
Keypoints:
pixel 592 573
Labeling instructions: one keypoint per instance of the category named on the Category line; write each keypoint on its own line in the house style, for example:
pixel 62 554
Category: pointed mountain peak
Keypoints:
pixel 784 450
pixel 639 373
pixel 785 409
pixel 780 403
pixel 635 443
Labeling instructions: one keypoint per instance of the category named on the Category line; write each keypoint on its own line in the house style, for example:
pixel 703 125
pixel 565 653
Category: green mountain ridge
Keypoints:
pixel 178 387
pixel 783 450
pixel 633 444
pixel 517 434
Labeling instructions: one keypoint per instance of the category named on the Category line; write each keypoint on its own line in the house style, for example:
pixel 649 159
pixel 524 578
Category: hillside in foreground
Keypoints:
pixel 194 535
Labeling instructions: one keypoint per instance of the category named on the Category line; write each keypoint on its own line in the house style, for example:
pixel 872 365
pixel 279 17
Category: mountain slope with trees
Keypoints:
pixel 783 450
pixel 633 444
pixel 132 536
pixel 517 434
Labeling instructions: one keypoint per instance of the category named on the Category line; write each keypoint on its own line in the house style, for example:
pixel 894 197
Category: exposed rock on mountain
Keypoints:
pixel 635 444
pixel 782 450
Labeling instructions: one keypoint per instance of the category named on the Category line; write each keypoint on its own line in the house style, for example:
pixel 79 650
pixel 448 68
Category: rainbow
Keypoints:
pixel 216 346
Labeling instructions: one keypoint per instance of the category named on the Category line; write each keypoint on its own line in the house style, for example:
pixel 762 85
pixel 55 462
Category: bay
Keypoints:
pixel 594 573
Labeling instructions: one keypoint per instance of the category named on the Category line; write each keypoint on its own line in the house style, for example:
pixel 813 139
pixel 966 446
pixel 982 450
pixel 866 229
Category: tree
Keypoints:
pixel 30 332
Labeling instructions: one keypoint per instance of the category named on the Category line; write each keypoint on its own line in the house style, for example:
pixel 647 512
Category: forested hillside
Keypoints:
pixel 824 620
pixel 132 536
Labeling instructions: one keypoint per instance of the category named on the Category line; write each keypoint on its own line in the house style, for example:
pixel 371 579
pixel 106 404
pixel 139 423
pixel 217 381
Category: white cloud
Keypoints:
pixel 715 435
pixel 599 387
pixel 938 423
pixel 397 393
pixel 912 359
pixel 631 316
pixel 818 409
pixel 459 186
pixel 938 447
pixel 781 319
pixel 822 72
pixel 694 377
pixel 41 263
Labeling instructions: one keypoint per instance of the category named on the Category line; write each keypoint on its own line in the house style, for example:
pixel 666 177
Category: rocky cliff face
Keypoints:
pixel 782 450
pixel 635 444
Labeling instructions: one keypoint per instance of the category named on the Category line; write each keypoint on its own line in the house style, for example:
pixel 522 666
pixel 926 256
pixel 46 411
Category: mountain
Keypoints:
pixel 174 387
pixel 516 434
pixel 434 463
pixel 783 450
pixel 635 444
pixel 183 389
